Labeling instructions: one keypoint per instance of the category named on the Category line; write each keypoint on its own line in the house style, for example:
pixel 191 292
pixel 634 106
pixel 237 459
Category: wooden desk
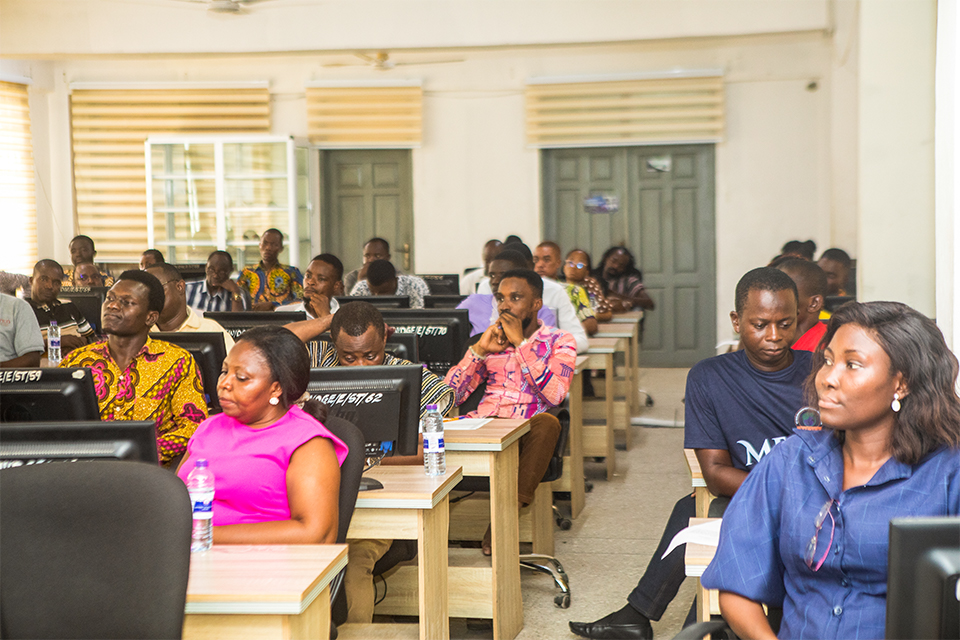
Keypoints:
pixel 700 491
pixel 598 439
pixel 625 318
pixel 629 387
pixel 413 505
pixel 572 478
pixel 696 558
pixel 262 591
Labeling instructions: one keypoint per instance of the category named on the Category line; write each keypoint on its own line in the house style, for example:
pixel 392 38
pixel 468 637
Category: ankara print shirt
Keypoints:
pixel 281 285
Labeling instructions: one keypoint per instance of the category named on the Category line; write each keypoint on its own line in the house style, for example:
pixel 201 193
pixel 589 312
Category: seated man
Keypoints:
pixel 374 249
pixel 271 284
pixel 469 282
pixel 738 406
pixel 87 274
pixel 149 258
pixel 548 263
pixel 811 284
pixel 21 343
pixel 10 282
pixel 83 251
pixel 527 367
pixel 138 378
pixel 623 281
pixel 322 280
pixel 836 264
pixel 176 315
pixel 75 331
pixel 383 280
pixel 481 306
pixel 217 292
pixel 359 339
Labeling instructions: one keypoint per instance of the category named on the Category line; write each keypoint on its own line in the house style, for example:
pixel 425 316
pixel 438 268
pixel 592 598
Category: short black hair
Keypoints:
pixel 155 296
pixel 805 249
pixel 631 263
pixel 519 247
pixel 532 278
pixel 550 244
pixel 225 254
pixel 87 238
pixel 155 254
pixel 333 261
pixel 513 257
pixel 764 279
pixel 809 278
pixel 168 270
pixel 354 318
pixel 272 230
pixel 386 245
pixel 837 255
pixel 589 263
pixel 47 262
pixel 380 272
pixel 512 239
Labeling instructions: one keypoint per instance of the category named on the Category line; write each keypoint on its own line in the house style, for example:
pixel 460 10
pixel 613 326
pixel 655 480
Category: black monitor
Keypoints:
pixel 442 334
pixel 382 401
pixel 41 395
pixel 208 350
pixel 399 345
pixel 442 283
pixel 236 322
pixel 923 567
pixel 192 270
pixel 24 443
pixel 443 301
pixel 831 303
pixel 380 302
pixel 89 301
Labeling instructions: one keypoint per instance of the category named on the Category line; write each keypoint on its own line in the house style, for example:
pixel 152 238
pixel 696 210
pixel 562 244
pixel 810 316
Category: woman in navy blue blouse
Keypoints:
pixel 808 529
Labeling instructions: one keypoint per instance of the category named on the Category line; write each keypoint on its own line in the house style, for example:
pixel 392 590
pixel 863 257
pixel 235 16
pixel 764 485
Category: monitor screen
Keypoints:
pixel 89 301
pixel 208 350
pixel 442 334
pixel 38 395
pixel 442 283
pixel 26 443
pixel 192 270
pixel 443 301
pixel 382 401
pixel 380 302
pixel 923 566
pixel 236 322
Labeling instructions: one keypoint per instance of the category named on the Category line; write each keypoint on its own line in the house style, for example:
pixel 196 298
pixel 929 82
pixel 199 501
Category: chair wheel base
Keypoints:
pixel 562 600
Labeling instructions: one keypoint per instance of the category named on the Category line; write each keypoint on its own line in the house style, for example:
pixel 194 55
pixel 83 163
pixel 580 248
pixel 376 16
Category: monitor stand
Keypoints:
pixel 370 484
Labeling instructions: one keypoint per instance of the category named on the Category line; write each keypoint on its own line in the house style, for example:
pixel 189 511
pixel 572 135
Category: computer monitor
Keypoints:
pixel 923 565
pixel 236 322
pixel 831 303
pixel 442 334
pixel 192 270
pixel 443 301
pixel 382 401
pixel 208 350
pixel 89 301
pixel 380 302
pixel 399 345
pixel 442 283
pixel 40 395
pixel 24 443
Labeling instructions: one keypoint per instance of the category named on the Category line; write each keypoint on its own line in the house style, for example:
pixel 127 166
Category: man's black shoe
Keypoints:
pixel 613 631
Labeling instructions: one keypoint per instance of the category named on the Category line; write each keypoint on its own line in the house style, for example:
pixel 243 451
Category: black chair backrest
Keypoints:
pixel 442 283
pixel 89 301
pixel 445 301
pixel 555 468
pixel 350 470
pixel 93 550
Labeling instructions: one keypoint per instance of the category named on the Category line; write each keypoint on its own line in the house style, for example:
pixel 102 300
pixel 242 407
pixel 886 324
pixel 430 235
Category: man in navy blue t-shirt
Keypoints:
pixel 738 407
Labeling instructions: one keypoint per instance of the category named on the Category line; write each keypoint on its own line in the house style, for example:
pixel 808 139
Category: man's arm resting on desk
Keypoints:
pixel 31 359
pixel 722 478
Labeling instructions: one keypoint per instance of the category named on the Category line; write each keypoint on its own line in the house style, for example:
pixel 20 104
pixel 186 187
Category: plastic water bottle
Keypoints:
pixel 200 486
pixel 53 344
pixel 434 457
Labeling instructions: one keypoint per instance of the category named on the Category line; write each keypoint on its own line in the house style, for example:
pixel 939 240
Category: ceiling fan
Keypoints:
pixel 381 61
pixel 225 6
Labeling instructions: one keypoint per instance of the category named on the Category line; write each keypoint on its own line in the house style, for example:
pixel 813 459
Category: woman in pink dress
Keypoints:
pixel 277 468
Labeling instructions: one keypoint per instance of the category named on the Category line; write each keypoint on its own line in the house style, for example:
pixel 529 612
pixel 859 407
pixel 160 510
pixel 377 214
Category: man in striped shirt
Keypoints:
pixel 217 292
pixel 75 331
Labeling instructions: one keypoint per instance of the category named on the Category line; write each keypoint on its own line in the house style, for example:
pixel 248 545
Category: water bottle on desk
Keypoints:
pixel 434 458
pixel 200 487
pixel 53 344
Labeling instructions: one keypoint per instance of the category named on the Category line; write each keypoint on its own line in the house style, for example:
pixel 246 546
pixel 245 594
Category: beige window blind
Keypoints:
pixel 625 112
pixel 365 116
pixel 110 127
pixel 18 207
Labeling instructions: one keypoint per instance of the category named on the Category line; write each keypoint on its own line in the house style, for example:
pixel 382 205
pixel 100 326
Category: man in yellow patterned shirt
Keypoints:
pixel 270 283
pixel 137 378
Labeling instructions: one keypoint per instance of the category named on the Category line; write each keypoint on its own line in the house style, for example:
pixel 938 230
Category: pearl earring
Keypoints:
pixel 895 405
pixel 274 401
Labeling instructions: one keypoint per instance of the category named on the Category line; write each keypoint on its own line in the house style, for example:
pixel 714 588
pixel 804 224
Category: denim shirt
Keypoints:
pixel 771 519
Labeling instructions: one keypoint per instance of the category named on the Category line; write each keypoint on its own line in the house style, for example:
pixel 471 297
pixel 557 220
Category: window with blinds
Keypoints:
pixel 643 111
pixel 110 127
pixel 341 117
pixel 18 207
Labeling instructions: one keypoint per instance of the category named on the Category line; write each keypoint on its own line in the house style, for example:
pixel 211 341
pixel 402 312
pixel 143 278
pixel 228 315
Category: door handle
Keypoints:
pixel 406 257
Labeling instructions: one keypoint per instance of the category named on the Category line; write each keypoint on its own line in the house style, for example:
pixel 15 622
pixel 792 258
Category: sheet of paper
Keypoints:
pixel 465 424
pixel 707 534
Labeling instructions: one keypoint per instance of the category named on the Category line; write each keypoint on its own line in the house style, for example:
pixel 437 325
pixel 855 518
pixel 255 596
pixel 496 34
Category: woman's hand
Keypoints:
pixel 745 617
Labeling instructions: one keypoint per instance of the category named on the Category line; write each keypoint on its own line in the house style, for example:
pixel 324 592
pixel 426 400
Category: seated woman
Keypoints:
pixel 576 270
pixel 277 469
pixel 808 529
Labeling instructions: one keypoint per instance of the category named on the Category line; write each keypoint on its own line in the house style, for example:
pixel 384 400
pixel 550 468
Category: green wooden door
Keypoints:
pixel 665 216
pixel 367 193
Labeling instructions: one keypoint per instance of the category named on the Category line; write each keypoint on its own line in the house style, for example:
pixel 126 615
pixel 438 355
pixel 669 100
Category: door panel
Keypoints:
pixel 367 193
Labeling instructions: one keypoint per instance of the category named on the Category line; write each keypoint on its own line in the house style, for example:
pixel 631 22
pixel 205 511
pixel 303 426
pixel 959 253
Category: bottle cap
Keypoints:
pixel 202 463
pixel 431 407
pixel 53 323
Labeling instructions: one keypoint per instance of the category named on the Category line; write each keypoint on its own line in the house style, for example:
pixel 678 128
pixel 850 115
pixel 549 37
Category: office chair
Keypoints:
pixel 350 472
pixel 93 550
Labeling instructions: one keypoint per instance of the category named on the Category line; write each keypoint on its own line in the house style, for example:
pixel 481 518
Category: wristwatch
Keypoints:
pixel 237 297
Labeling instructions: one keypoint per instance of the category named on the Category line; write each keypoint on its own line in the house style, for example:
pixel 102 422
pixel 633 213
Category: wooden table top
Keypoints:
pixel 693 466
pixel 629 316
pixel 408 487
pixel 697 556
pixel 580 364
pixel 261 579
pixel 603 345
pixel 615 330
pixel 496 435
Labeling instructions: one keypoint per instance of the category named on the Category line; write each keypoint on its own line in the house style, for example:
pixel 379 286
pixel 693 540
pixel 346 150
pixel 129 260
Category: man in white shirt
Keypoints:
pixel 322 280
pixel 176 315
